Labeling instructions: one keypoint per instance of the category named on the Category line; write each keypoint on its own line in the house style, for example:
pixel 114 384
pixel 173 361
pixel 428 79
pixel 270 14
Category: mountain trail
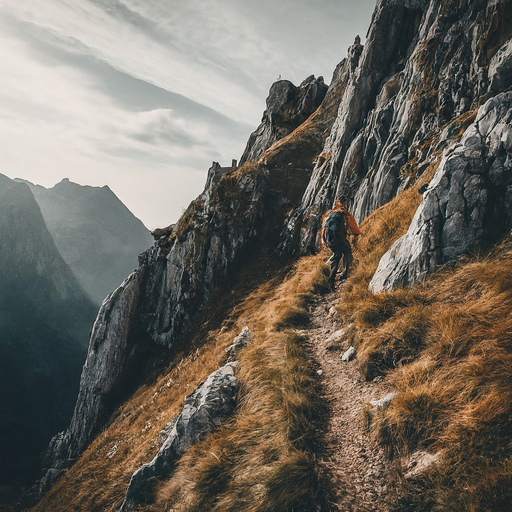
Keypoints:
pixel 354 463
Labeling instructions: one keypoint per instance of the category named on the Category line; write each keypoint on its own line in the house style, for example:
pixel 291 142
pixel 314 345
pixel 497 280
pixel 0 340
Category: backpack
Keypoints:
pixel 335 225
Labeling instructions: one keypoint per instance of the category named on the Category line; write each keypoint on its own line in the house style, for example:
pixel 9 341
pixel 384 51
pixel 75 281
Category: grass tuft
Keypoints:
pixel 445 345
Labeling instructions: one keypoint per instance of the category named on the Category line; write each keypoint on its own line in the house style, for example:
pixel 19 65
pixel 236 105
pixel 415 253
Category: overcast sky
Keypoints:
pixel 142 95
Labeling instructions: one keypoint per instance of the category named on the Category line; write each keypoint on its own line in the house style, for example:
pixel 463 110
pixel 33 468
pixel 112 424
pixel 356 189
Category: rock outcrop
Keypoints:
pixel 393 109
pixel 425 67
pixel 239 342
pixel 468 204
pixel 288 107
pixel 205 409
pixel 240 212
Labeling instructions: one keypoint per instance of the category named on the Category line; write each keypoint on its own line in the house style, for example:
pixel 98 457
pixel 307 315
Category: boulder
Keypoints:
pixel 205 409
pixel 467 204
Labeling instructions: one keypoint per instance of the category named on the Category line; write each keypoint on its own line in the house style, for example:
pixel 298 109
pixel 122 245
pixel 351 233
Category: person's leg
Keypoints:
pixel 346 251
pixel 335 261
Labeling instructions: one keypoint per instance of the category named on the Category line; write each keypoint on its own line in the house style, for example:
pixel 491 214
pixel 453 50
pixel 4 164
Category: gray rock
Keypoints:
pixel 238 343
pixel 383 402
pixel 335 336
pixel 420 70
pixel 288 107
pixel 468 203
pixel 205 409
pixel 500 68
pixel 49 478
pixel 349 354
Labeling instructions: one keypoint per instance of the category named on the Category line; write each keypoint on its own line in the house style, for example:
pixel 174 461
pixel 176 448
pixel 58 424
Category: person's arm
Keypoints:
pixel 322 235
pixel 352 224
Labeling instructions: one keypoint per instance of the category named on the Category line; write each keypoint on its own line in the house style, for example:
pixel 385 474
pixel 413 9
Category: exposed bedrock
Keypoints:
pixel 205 409
pixel 425 65
pixel 288 107
pixel 393 108
pixel 241 210
pixel 468 203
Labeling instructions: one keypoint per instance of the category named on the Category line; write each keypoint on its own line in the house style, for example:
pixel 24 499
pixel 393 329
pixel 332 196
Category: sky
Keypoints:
pixel 142 95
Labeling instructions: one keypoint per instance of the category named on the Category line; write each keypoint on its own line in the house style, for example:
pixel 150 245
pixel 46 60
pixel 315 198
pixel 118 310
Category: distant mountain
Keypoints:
pixel 98 237
pixel 45 319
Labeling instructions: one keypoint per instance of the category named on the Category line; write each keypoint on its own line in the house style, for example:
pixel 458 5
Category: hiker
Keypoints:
pixel 337 225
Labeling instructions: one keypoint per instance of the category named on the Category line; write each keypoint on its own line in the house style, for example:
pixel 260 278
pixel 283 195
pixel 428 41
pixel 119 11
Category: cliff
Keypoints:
pixel 240 212
pixel 425 70
pixel 424 105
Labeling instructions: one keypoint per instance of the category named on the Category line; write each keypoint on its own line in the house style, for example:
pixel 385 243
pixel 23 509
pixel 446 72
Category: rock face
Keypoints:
pixel 205 409
pixel 288 107
pixel 45 318
pixel 467 204
pixel 240 212
pixel 98 237
pixel 393 109
pixel 424 69
pixel 500 69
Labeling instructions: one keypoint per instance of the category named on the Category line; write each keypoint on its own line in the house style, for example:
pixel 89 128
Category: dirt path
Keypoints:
pixel 357 465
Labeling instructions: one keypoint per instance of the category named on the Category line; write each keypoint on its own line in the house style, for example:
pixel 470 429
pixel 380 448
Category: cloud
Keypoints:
pixel 97 29
pixel 142 95
pixel 58 121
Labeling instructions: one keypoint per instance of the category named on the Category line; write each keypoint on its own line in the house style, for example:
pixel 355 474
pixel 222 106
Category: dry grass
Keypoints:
pixel 264 457
pixel 264 460
pixel 380 230
pixel 99 479
pixel 456 398
pixel 446 345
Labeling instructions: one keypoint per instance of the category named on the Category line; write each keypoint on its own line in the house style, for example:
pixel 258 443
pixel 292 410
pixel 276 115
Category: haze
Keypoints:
pixel 142 95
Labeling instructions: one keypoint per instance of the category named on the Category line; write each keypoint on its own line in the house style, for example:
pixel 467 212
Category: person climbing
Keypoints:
pixel 337 225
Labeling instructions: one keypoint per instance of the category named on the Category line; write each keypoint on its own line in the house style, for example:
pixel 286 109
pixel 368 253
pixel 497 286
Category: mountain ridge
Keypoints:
pixel 399 110
pixel 98 237
pixel 45 318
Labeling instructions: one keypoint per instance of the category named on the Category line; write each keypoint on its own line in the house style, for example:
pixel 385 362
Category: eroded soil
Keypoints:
pixel 356 467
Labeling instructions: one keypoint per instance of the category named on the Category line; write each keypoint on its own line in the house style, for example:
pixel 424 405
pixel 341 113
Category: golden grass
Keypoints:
pixel 265 454
pixel 99 478
pixel 264 459
pixel 446 346
pixel 379 231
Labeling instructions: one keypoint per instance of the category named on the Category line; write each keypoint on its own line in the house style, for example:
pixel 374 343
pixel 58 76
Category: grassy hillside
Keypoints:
pixel 272 437
pixel 446 347
pixel 443 344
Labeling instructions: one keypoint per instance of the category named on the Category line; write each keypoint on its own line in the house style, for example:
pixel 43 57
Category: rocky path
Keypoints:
pixel 356 465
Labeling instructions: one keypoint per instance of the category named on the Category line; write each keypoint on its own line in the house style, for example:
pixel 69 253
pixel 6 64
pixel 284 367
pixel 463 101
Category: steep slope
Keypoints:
pixel 424 106
pixel 98 237
pixel 425 69
pixel 45 318
pixel 240 212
